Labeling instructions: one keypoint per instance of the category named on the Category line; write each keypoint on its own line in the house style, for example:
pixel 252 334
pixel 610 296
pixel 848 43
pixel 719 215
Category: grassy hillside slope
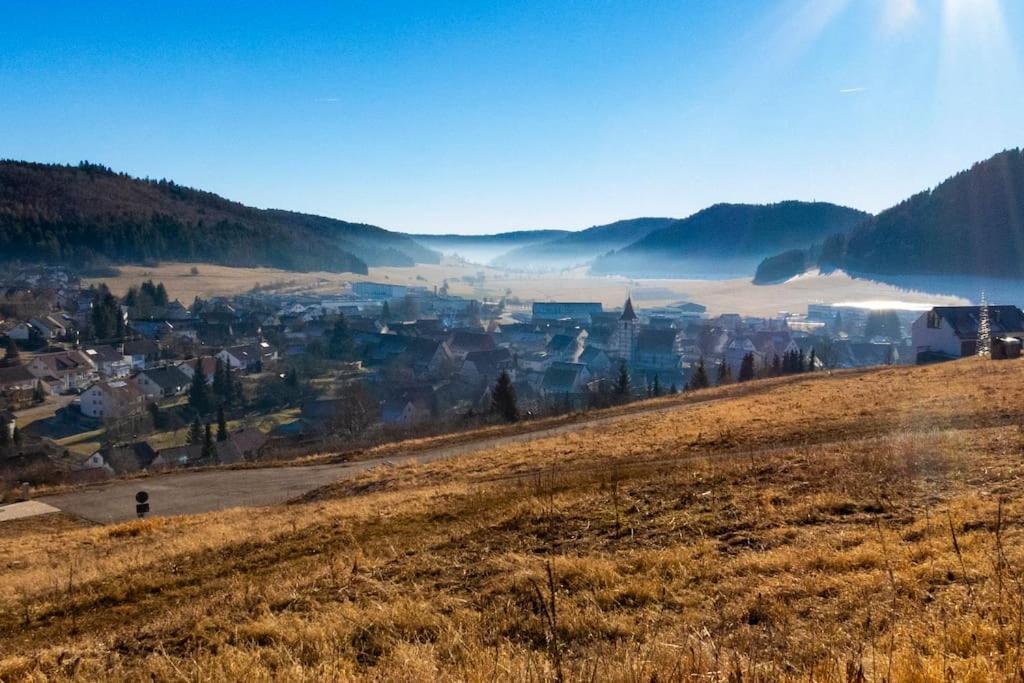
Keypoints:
pixel 846 527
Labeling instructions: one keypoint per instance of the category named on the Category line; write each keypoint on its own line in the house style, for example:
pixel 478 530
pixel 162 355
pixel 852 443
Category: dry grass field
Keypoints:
pixel 720 296
pixel 834 528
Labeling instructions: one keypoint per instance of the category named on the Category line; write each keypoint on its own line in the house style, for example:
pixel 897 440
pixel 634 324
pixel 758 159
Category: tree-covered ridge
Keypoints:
pixel 971 224
pixel 730 232
pixel 88 213
pixel 578 247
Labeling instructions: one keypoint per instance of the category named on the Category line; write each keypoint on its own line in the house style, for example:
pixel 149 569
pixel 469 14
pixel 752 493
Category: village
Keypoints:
pixel 93 385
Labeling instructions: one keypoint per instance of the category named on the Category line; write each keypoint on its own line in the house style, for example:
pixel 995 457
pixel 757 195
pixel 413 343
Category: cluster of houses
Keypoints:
pixel 418 354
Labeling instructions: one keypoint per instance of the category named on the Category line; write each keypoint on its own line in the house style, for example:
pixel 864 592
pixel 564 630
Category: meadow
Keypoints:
pixel 858 526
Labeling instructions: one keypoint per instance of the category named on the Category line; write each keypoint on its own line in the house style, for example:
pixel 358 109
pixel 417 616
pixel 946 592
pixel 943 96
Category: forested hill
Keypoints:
pixel 89 214
pixel 728 235
pixel 971 224
pixel 574 248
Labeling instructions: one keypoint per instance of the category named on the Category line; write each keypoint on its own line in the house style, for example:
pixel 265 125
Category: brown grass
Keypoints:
pixel 856 528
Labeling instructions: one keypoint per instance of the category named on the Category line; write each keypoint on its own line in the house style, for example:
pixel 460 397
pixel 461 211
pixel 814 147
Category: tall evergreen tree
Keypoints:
pixel 812 361
pixel 622 383
pixel 12 355
pixel 195 433
pixel 724 375
pixel 699 380
pixel 503 399
pixel 747 368
pixel 199 394
pixel 209 451
pixel 656 389
pixel 222 425
pixel 340 345
pixel 221 388
pixel 385 312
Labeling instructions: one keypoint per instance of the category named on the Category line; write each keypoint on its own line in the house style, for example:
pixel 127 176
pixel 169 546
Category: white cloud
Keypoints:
pixel 852 91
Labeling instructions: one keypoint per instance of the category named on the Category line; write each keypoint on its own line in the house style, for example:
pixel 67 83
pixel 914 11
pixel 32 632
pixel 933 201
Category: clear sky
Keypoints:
pixel 485 116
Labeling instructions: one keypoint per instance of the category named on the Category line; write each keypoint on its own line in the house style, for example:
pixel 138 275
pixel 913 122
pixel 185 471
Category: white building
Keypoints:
pixel 113 399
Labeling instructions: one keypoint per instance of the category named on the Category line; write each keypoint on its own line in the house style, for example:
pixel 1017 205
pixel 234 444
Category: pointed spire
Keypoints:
pixel 627 311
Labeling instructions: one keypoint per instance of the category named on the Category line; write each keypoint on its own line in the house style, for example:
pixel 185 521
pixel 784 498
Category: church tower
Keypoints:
pixel 627 334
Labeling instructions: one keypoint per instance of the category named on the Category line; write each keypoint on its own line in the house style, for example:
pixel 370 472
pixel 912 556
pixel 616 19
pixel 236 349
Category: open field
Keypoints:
pixel 720 296
pixel 828 528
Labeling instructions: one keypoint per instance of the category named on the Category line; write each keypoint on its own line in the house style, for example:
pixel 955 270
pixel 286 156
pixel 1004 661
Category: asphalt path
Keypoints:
pixel 184 493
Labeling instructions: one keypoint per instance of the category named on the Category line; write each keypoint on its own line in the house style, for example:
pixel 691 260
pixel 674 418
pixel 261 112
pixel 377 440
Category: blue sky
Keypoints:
pixel 479 117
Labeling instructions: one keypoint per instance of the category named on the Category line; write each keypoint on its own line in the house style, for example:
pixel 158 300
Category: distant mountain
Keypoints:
pixel 88 213
pixel 580 247
pixel 485 248
pixel 727 239
pixel 971 224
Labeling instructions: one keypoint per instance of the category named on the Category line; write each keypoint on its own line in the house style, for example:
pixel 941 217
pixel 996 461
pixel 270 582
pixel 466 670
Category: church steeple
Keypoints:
pixel 627 311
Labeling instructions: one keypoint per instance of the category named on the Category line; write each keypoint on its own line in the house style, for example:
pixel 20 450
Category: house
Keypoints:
pixel 486 365
pixel 463 342
pixel 64 370
pixel 658 349
pixel 948 332
pixel 111 363
pixel 129 457
pixel 162 382
pixel 410 405
pixel 596 360
pixel 49 327
pixel 112 399
pixel 209 365
pixel 248 357
pixel 565 382
pixel 567 347
pixel 142 352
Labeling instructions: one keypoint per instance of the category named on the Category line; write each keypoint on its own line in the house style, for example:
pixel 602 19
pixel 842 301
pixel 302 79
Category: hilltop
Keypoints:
pixel 88 214
pixel 727 239
pixel 576 248
pixel 830 527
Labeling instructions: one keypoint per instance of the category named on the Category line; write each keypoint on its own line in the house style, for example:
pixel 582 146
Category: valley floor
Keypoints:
pixel 720 296
pixel 845 527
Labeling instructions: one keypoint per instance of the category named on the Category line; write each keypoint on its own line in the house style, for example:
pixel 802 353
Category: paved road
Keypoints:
pixel 183 493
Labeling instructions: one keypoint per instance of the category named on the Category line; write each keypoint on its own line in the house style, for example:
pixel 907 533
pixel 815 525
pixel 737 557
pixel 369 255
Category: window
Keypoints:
pixel 934 320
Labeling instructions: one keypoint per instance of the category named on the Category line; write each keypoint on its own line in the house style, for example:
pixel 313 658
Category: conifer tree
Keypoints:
pixel 340 345
pixel 622 384
pixel 209 450
pixel 812 362
pixel 673 389
pixel 656 389
pixel 700 376
pixel 13 355
pixel 776 365
pixel 385 312
pixel 724 374
pixel 199 394
pixel 747 368
pixel 222 425
pixel 195 433
pixel 503 400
